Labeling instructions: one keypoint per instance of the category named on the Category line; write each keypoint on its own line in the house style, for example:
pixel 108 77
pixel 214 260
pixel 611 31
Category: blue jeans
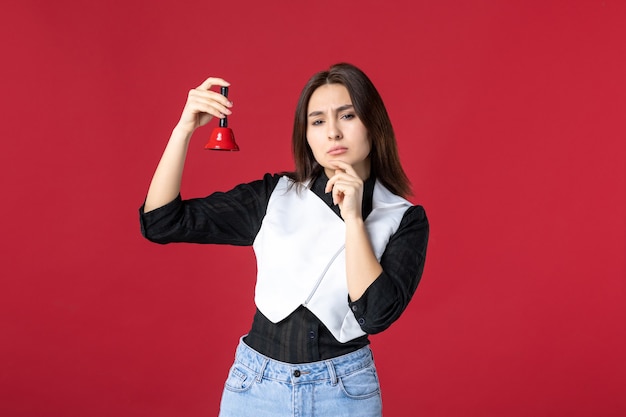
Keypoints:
pixel 257 386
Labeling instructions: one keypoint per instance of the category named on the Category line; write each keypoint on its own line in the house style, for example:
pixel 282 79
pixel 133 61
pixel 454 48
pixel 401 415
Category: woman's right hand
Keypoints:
pixel 203 104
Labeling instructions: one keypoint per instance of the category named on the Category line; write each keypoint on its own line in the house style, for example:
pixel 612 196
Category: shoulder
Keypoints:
pixel 414 225
pixel 415 219
pixel 416 213
pixel 269 179
pixel 263 186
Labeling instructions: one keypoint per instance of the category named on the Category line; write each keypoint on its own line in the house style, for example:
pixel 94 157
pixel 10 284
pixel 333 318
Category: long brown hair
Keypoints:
pixel 369 107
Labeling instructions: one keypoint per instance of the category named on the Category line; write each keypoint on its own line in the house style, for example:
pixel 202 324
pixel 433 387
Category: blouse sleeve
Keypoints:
pixel 403 263
pixel 233 217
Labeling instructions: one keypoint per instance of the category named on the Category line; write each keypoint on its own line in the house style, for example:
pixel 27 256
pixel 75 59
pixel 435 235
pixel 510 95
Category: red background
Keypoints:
pixel 511 122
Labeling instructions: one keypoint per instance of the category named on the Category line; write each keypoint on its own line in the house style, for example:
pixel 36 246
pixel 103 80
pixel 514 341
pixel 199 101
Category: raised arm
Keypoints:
pixel 201 106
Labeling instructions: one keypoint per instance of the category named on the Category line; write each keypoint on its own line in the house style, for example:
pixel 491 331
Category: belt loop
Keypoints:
pixel 331 372
pixel 259 376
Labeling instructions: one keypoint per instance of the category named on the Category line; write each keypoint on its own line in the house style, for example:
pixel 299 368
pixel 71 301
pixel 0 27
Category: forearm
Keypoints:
pixel 362 267
pixel 165 184
pixel 403 265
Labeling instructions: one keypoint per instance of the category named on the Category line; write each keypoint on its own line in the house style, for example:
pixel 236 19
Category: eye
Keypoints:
pixel 317 122
pixel 348 116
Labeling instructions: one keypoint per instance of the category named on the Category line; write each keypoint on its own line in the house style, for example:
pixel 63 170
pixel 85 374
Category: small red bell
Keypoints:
pixel 222 137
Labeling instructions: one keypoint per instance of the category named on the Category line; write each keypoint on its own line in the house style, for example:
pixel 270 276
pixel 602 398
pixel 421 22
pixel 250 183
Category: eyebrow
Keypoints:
pixel 337 110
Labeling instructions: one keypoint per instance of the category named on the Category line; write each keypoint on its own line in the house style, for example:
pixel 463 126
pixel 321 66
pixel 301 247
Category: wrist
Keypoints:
pixel 354 221
pixel 182 131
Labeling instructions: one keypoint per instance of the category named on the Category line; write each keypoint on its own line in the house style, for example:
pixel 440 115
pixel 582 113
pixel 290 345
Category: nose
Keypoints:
pixel 333 130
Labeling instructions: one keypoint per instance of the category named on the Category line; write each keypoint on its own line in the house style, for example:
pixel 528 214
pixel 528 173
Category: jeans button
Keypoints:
pixel 296 373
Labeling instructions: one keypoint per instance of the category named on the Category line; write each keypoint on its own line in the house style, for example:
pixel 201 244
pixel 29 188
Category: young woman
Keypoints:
pixel 340 252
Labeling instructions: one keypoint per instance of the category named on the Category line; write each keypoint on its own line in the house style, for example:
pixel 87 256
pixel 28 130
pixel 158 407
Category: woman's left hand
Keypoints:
pixel 347 189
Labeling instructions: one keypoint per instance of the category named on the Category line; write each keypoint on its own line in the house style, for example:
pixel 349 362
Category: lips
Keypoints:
pixel 337 150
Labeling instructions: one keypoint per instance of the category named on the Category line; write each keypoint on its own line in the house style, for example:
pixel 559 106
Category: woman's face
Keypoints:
pixel 334 131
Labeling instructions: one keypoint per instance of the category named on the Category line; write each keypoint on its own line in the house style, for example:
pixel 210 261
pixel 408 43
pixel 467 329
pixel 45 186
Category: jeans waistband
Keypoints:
pixel 329 369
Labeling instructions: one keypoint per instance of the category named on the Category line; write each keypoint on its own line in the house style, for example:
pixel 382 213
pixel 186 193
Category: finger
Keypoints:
pixel 338 194
pixel 200 99
pixel 330 184
pixel 210 96
pixel 340 175
pixel 344 166
pixel 207 108
pixel 215 107
pixel 348 175
pixel 211 81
